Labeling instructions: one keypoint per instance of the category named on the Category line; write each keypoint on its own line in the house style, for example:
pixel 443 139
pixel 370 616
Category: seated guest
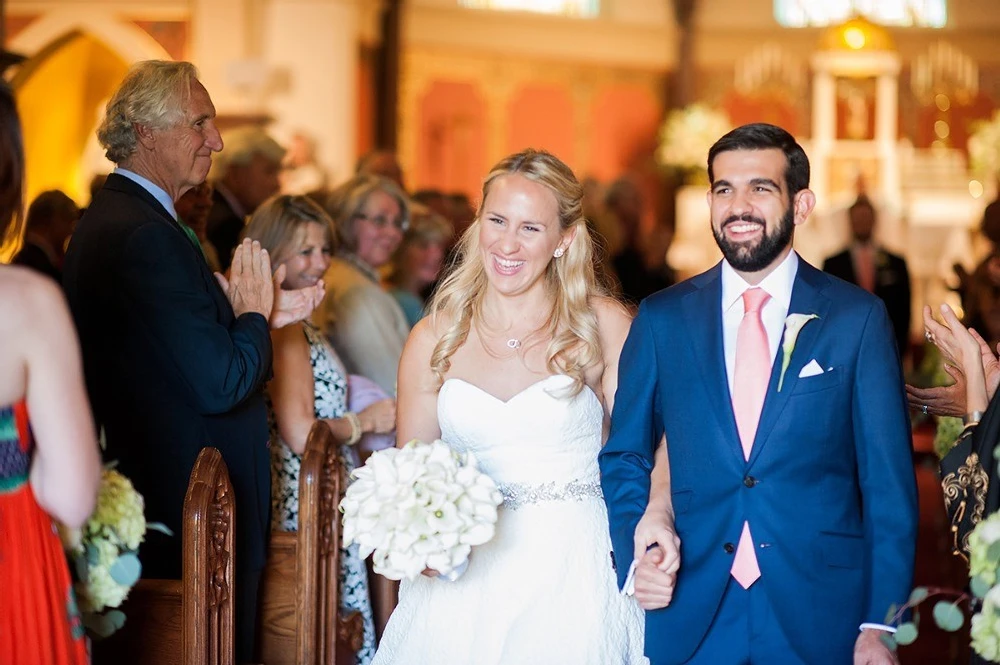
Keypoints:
pixel 51 219
pixel 192 212
pixel 49 462
pixel 418 261
pixel 875 270
pixel 245 174
pixel 382 163
pixel 310 384
pixel 364 323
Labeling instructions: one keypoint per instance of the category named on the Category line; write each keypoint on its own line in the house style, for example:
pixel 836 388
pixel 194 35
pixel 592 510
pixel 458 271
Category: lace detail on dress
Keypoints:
pixel 330 401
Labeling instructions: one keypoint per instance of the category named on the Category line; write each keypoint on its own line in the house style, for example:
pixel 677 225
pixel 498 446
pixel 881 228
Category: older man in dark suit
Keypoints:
pixel 175 357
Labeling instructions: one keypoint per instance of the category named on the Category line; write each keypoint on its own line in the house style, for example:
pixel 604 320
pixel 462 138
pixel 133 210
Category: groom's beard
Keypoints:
pixel 747 257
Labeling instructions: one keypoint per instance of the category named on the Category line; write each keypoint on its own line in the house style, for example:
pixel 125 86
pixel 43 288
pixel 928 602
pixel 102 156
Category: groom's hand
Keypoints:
pixel 869 649
pixel 654 587
pixel 657 528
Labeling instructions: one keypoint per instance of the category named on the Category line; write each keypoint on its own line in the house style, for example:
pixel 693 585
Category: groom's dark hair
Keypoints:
pixel 762 136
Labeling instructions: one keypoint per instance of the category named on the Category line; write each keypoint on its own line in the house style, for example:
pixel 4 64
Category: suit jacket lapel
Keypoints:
pixel 703 314
pixel 807 298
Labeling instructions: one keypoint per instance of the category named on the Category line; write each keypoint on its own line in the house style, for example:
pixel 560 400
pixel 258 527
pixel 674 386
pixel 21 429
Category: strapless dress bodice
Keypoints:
pixel 541 435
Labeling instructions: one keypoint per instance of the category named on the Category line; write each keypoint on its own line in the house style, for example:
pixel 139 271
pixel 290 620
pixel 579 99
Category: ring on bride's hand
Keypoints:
pixel 928 336
pixel 924 409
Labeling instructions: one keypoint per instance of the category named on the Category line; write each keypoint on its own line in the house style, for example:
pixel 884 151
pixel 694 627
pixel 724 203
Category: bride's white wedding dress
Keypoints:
pixel 542 591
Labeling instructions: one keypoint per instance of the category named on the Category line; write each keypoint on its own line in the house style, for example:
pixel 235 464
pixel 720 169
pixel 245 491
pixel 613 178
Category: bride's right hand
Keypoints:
pixel 657 528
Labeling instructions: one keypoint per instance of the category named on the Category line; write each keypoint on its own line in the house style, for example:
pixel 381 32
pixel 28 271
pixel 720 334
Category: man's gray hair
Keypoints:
pixel 242 144
pixel 154 94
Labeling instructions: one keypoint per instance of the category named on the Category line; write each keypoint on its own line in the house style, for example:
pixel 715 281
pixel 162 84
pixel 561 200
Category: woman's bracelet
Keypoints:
pixel 972 418
pixel 355 422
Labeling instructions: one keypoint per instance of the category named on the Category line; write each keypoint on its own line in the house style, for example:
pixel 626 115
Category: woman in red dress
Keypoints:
pixel 56 475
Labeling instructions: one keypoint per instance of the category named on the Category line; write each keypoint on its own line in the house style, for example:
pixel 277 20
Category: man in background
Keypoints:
pixel 51 219
pixel 245 175
pixel 877 271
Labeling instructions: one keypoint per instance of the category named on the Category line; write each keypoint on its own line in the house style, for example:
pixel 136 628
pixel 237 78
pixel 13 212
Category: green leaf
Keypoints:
pixel 993 553
pixel 156 526
pixel 918 595
pixel 906 634
pixel 126 569
pixel 98 625
pixel 888 640
pixel 93 555
pixel 979 586
pixel 82 567
pixel 947 616
pixel 890 616
pixel 116 618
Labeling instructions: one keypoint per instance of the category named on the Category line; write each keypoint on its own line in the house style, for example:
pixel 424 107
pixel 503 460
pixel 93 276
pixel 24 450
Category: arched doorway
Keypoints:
pixel 76 59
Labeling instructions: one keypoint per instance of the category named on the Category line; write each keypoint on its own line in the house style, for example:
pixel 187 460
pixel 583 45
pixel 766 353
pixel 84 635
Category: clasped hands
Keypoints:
pixel 251 287
pixel 658 556
pixel 961 349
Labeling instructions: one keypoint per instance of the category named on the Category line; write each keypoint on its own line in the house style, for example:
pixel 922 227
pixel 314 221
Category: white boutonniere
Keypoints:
pixel 793 325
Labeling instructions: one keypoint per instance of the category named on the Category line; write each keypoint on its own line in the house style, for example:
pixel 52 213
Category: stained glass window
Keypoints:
pixel 916 13
pixel 580 8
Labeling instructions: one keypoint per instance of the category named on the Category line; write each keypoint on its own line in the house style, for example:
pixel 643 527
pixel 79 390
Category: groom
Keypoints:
pixel 791 481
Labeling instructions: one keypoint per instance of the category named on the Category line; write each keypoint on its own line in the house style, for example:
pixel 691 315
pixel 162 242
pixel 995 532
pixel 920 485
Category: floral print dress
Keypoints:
pixel 330 401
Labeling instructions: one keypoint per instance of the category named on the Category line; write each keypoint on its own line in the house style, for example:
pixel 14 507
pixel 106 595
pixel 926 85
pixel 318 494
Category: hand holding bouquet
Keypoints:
pixel 103 553
pixel 419 507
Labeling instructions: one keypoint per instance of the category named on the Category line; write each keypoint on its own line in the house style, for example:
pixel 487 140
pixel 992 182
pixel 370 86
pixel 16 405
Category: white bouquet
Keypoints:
pixel 418 507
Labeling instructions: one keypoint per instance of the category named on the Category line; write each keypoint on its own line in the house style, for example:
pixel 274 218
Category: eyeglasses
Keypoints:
pixel 381 221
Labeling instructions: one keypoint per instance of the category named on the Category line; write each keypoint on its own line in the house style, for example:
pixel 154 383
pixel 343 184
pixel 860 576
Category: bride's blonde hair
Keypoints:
pixel 571 325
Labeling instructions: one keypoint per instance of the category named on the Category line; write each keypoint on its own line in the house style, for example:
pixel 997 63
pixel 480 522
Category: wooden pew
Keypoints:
pixel 298 609
pixel 189 621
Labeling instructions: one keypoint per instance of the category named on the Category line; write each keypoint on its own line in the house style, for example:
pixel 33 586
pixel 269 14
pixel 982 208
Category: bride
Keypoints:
pixel 518 364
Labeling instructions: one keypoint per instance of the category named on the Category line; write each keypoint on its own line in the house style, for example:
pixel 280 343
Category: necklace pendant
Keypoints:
pixel 513 343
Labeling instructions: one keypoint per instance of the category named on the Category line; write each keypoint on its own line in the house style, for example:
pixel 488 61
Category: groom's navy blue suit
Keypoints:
pixel 828 490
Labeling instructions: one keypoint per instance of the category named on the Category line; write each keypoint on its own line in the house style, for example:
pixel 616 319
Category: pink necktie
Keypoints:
pixel 752 373
pixel 864 267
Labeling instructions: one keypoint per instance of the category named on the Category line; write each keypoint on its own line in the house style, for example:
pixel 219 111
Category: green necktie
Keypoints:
pixel 189 232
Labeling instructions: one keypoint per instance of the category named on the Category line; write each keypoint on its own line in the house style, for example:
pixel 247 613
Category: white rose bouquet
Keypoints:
pixel 103 553
pixel 419 507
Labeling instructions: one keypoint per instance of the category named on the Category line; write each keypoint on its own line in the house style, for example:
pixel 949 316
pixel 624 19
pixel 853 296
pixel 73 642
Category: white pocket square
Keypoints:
pixel 811 369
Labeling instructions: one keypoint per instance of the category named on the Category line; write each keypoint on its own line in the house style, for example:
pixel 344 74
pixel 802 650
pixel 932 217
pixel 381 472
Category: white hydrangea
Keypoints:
pixel 984 146
pixel 421 506
pixel 688 133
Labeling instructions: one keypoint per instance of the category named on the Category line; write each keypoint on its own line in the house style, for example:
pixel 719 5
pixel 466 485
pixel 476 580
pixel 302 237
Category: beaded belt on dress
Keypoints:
pixel 518 495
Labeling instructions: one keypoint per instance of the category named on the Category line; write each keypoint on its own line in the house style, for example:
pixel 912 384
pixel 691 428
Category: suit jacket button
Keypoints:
pixel 749 481
pixel 729 548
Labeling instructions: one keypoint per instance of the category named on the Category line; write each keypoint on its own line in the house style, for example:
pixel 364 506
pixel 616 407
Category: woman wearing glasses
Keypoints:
pixel 365 323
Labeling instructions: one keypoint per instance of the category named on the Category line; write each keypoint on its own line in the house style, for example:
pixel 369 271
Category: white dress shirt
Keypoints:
pixel 157 192
pixel 778 285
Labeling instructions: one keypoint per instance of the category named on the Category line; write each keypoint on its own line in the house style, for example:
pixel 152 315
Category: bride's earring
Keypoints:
pixel 559 252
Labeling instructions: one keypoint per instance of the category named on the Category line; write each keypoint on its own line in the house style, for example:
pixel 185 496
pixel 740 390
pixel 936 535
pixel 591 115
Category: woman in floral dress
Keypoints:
pixel 310 384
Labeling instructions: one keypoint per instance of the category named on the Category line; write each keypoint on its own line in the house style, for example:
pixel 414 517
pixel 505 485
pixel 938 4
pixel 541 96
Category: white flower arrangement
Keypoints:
pixel 419 507
pixel 686 136
pixel 983 597
pixel 984 146
pixel 103 554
